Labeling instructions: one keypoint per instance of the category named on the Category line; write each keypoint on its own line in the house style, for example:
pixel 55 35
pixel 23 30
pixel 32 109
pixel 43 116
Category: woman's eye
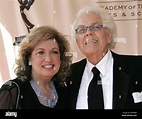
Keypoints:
pixel 40 53
pixel 55 52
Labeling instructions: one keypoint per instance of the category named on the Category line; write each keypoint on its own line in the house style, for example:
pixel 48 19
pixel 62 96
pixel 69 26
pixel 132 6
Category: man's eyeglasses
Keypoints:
pixel 95 27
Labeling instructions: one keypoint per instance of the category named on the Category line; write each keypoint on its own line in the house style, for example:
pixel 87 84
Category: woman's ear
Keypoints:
pixel 29 63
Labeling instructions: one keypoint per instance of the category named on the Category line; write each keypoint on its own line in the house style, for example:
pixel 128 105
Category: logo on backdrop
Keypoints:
pixel 124 10
pixel 24 4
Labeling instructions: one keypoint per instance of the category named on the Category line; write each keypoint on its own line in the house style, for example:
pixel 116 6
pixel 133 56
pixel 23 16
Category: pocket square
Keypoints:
pixel 137 97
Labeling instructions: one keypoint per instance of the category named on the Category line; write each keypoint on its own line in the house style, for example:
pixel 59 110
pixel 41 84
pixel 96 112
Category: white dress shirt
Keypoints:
pixel 105 66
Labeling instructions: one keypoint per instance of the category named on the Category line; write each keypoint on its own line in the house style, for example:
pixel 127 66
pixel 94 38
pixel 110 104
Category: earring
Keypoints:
pixel 29 63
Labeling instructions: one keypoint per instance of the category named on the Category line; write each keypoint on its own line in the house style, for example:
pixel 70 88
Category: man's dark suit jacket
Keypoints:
pixel 127 78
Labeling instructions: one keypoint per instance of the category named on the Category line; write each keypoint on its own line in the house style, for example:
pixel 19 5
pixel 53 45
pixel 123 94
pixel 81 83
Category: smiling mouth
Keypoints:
pixel 50 66
pixel 91 41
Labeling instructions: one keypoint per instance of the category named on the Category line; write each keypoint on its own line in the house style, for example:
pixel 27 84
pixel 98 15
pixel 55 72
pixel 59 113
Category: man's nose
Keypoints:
pixel 88 31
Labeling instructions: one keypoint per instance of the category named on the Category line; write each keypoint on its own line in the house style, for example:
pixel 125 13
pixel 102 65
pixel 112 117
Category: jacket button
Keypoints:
pixel 119 68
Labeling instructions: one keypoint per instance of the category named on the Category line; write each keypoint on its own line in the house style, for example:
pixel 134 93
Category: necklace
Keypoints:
pixel 46 102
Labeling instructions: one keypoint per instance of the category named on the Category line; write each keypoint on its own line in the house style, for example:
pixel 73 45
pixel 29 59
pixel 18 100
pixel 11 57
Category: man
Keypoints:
pixel 121 80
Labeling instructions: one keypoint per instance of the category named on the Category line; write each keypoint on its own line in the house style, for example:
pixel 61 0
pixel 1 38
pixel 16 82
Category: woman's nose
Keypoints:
pixel 47 58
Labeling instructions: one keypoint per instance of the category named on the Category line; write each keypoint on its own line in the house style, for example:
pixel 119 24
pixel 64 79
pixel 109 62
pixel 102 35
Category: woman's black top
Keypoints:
pixel 16 94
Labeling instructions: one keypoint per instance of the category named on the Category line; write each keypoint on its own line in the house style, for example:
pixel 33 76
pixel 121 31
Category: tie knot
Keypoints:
pixel 95 71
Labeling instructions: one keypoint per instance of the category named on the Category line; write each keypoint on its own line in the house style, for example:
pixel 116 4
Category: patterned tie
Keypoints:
pixel 95 93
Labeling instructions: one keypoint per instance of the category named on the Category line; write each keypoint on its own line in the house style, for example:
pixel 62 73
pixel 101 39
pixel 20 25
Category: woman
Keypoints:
pixel 41 69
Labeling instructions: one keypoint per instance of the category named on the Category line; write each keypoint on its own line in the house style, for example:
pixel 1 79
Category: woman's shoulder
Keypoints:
pixel 11 84
pixel 10 94
pixel 8 85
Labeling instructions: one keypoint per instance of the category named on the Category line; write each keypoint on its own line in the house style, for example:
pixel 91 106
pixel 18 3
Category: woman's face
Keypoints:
pixel 92 42
pixel 45 59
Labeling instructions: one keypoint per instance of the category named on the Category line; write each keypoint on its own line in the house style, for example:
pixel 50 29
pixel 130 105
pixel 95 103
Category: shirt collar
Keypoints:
pixel 105 62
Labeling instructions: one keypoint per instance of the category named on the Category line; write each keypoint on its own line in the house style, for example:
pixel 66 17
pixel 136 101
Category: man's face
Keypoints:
pixel 96 38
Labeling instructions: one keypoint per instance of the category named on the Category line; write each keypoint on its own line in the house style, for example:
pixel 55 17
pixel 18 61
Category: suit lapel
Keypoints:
pixel 120 82
pixel 77 76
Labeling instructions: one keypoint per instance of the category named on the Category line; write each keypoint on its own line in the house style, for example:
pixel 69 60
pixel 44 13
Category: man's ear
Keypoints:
pixel 109 35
